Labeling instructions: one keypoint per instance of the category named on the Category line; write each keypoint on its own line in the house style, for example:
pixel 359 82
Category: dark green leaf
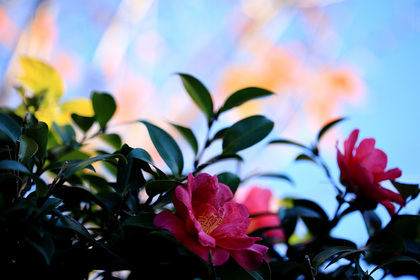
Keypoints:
pixel 392 260
pixel 231 270
pixel 75 166
pixel 305 157
pixel 289 142
pixel 273 175
pixel 66 132
pixel 329 253
pixel 84 123
pixel 188 135
pixel 10 127
pixel 49 205
pixel 372 221
pixel 327 127
pixel 104 107
pixel 144 220
pixel 351 255
pixel 406 190
pixel 167 148
pixel 199 94
pixel 70 223
pixel 246 133
pixel 77 194
pixel 27 148
pixel 243 95
pixel 44 246
pixel 112 139
pixel 8 164
pixel 230 180
pixel 39 132
pixel 141 154
pixel 220 133
pixel 160 186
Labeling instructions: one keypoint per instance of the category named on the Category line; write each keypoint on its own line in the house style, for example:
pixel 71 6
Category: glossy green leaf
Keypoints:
pixel 8 164
pixel 199 94
pixel 243 95
pixel 230 180
pixel 141 154
pixel 188 135
pixel 70 223
pixel 27 148
pixel 246 133
pixel 39 132
pixel 160 186
pixel 393 260
pixel 112 139
pixel 84 123
pixel 329 253
pixel 77 165
pixel 167 148
pixel 10 127
pixel 142 220
pixel 104 106
pixel 327 127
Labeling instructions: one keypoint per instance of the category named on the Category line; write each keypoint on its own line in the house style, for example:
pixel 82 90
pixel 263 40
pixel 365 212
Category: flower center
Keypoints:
pixel 209 222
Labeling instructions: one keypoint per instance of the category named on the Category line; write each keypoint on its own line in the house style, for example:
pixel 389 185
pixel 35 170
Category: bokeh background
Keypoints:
pixel 324 59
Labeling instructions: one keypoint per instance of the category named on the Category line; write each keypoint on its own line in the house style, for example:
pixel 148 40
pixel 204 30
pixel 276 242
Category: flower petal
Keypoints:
pixel 169 221
pixel 365 148
pixel 235 222
pixel 250 258
pixel 349 145
pixel 391 174
pixel 220 256
pixel 210 191
pixel 376 161
pixel 236 243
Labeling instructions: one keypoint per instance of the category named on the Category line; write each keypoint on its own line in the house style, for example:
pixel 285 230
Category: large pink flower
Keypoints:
pixel 363 168
pixel 207 220
pixel 258 202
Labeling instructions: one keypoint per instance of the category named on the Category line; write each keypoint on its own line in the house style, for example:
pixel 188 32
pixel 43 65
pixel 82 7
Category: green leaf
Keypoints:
pixel 104 107
pixel 279 176
pixel 394 260
pixel 49 205
pixel 327 127
pixel 112 139
pixel 167 148
pixel 10 127
pixel 372 221
pixel 141 154
pixel 406 190
pixel 230 180
pixel 84 123
pixel 160 186
pixel 45 246
pixel 243 95
pixel 71 223
pixel 199 94
pixel 143 220
pixel 328 253
pixel 66 132
pixel 246 133
pixel 77 165
pixel 188 135
pixel 289 142
pixel 27 148
pixel 8 164
pixel 39 132
pixel 231 270
pixel 306 157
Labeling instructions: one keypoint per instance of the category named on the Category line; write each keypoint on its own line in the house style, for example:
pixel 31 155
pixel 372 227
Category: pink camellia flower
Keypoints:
pixel 258 201
pixel 207 220
pixel 363 168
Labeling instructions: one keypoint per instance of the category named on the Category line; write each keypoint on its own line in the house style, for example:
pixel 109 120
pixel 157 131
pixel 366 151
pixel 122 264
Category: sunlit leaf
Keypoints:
pixel 199 94
pixel 246 133
pixel 243 95
pixel 39 76
pixel 112 139
pixel 166 146
pixel 104 107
